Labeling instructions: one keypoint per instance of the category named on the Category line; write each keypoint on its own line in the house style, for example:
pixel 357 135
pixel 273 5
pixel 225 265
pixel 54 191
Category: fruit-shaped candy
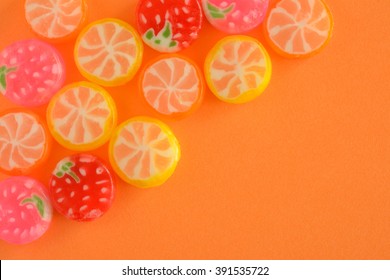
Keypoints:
pixel 24 142
pixel 108 52
pixel 144 152
pixel 298 28
pixel 25 210
pixel 81 116
pixel 237 69
pixel 55 20
pixel 235 16
pixel 169 26
pixel 172 85
pixel 31 72
pixel 82 187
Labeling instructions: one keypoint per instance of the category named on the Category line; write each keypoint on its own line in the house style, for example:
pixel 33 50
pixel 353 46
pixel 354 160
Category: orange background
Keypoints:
pixel 302 172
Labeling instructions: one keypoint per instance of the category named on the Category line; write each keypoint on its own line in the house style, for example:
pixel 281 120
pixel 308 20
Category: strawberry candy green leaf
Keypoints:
pixel 216 12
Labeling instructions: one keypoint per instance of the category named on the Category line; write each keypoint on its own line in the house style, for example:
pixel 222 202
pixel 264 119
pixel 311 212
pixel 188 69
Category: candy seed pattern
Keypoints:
pixel 25 210
pixel 82 196
pixel 169 26
pixel 31 72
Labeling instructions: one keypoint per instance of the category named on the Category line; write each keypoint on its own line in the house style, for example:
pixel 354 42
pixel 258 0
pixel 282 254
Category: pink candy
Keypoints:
pixel 25 210
pixel 235 16
pixel 31 72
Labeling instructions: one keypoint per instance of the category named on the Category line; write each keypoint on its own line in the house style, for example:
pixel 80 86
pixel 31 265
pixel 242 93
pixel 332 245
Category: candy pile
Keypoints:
pixel 82 116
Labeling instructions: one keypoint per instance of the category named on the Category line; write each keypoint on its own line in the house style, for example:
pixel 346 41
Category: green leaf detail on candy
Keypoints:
pixel 167 31
pixel 37 201
pixel 217 12
pixel 149 35
pixel 163 39
pixel 65 168
pixel 3 74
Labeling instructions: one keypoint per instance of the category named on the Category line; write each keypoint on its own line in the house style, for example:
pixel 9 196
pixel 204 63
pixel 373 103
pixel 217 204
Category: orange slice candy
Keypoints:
pixel 237 69
pixel 24 142
pixel 108 52
pixel 299 28
pixel 55 19
pixel 81 116
pixel 172 85
pixel 144 152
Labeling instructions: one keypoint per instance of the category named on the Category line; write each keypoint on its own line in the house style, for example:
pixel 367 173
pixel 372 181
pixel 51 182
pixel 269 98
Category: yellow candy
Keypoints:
pixel 144 152
pixel 237 69
pixel 81 116
pixel 108 52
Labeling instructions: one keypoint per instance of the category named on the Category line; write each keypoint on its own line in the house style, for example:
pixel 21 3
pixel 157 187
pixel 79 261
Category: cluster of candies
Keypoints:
pixel 82 116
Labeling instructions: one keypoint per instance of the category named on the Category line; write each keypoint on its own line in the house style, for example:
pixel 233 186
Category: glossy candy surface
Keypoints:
pixel 25 210
pixel 24 142
pixel 172 85
pixel 81 116
pixel 82 187
pixel 31 72
pixel 108 52
pixel 55 19
pixel 169 26
pixel 235 16
pixel 144 152
pixel 298 28
pixel 237 69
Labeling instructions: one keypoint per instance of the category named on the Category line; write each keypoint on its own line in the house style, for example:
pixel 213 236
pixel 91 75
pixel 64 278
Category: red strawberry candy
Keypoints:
pixel 169 25
pixel 31 72
pixel 82 187
pixel 25 210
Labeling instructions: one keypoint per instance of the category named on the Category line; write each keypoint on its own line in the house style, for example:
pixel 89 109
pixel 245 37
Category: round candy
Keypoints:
pixel 108 52
pixel 55 19
pixel 24 142
pixel 25 210
pixel 237 69
pixel 82 187
pixel 169 26
pixel 298 28
pixel 81 116
pixel 144 152
pixel 31 72
pixel 172 85
pixel 232 16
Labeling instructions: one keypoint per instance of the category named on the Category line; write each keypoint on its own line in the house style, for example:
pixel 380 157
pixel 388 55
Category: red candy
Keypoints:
pixel 169 25
pixel 82 187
